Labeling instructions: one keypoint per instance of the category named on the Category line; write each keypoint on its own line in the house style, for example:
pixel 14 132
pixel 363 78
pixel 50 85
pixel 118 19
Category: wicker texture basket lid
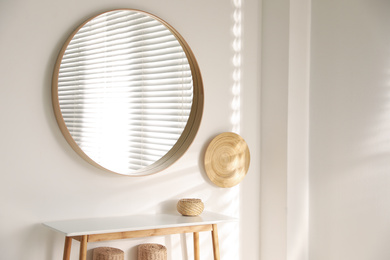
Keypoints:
pixel 107 253
pixel 190 207
pixel 152 252
pixel 227 159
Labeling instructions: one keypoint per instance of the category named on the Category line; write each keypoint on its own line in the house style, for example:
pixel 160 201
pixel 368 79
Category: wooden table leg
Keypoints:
pixel 67 247
pixel 83 247
pixel 196 246
pixel 214 234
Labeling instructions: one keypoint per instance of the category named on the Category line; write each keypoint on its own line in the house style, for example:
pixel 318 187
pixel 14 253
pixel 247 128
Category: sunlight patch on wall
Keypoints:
pixel 236 88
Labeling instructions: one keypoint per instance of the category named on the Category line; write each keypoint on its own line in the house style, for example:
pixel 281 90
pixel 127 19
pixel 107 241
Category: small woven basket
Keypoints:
pixel 152 252
pixel 107 253
pixel 190 207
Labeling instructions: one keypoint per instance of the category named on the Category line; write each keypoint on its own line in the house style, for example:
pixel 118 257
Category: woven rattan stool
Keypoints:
pixel 108 253
pixel 152 252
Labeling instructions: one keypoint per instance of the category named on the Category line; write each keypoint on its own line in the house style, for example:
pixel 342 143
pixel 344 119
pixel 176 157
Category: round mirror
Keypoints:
pixel 127 92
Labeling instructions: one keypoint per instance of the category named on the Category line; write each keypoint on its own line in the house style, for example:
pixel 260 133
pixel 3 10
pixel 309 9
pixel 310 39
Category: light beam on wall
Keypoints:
pixel 236 88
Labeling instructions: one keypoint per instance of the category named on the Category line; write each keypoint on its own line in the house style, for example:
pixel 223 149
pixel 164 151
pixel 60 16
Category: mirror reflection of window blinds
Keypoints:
pixel 125 90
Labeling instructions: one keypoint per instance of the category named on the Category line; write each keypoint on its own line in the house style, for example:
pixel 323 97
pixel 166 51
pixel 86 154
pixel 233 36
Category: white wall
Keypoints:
pixel 284 129
pixel 274 96
pixel 348 127
pixel 349 130
pixel 43 179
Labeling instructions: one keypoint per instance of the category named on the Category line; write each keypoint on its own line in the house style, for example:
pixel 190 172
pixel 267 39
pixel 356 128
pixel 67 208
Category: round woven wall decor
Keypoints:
pixel 227 159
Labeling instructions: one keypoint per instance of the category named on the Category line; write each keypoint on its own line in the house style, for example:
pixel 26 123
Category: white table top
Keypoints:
pixel 78 227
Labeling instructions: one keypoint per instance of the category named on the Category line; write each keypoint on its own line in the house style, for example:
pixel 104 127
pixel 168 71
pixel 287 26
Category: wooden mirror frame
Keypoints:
pixel 190 129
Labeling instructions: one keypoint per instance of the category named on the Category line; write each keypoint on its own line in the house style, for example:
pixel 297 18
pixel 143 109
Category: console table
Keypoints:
pixel 112 228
